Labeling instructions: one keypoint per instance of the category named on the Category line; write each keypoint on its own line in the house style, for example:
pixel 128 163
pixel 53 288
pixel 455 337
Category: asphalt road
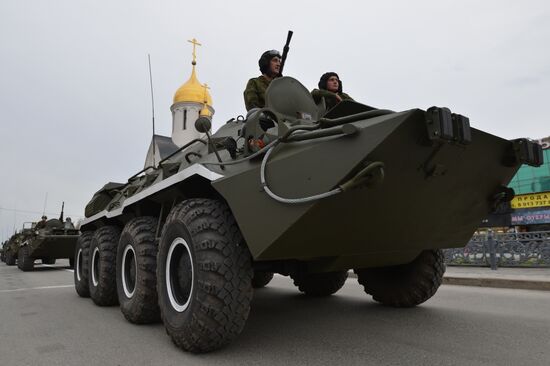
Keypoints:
pixel 44 322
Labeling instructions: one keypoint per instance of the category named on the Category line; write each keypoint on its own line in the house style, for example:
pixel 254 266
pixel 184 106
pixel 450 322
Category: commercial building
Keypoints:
pixel 531 205
pixel 530 208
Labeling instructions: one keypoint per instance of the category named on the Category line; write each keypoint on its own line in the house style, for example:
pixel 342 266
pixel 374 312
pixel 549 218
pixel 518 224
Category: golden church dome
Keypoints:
pixel 193 91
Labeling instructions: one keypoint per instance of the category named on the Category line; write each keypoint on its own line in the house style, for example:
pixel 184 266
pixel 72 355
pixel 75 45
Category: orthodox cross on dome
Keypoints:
pixel 195 44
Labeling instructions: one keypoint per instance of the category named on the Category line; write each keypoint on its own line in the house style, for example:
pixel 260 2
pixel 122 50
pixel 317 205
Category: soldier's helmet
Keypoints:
pixel 264 60
pixel 44 217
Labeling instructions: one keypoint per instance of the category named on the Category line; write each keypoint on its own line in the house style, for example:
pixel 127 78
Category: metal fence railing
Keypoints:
pixel 530 249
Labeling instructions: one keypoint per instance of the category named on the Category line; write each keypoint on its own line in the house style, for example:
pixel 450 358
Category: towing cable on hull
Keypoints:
pixel 310 133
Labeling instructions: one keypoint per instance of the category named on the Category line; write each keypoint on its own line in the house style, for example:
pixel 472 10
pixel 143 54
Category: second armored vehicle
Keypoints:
pixel 52 241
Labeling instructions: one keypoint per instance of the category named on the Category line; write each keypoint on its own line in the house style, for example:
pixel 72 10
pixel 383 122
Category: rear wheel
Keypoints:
pixel 136 271
pixel 320 284
pixel 261 279
pixel 10 259
pixel 204 276
pixel 405 285
pixel 102 268
pixel 24 261
pixel 81 261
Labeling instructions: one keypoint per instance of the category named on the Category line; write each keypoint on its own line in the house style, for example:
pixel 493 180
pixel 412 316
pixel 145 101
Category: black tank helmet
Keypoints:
pixel 266 57
pixel 323 81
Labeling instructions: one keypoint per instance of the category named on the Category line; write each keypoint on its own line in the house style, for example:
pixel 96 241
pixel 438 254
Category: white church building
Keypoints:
pixel 191 100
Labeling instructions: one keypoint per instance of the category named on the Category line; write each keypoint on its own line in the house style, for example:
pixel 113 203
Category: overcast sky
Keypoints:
pixel 75 108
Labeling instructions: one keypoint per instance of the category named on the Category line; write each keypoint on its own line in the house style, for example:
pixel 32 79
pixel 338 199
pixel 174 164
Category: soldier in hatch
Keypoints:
pixel 330 88
pixel 42 223
pixel 270 65
pixel 68 223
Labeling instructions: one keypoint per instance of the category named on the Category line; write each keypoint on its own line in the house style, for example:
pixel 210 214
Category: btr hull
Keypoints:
pixel 434 194
pixel 53 246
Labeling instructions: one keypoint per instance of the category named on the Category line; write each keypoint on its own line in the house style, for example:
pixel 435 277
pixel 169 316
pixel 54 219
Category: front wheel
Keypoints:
pixel 204 275
pixel 405 285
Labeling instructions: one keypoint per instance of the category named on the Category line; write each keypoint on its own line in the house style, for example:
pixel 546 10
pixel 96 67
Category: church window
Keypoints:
pixel 185 119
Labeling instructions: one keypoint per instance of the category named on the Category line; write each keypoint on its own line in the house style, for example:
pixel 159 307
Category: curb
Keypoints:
pixel 512 283
pixel 498 283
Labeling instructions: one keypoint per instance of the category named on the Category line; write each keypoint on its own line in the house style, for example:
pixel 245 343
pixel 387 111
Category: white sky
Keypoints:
pixel 75 108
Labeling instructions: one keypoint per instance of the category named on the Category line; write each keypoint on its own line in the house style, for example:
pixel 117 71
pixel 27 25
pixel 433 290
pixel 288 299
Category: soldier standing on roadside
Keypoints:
pixel 254 94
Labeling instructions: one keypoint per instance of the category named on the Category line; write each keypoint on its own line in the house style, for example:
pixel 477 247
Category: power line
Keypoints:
pixel 35 212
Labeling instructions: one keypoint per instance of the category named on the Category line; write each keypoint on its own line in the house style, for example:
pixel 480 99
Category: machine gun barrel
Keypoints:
pixel 285 52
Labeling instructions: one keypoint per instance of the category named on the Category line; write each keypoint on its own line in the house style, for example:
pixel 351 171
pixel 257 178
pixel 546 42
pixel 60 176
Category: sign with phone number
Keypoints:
pixel 531 200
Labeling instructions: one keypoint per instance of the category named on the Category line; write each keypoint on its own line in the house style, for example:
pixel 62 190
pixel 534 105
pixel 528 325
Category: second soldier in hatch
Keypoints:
pixel 330 89
pixel 270 66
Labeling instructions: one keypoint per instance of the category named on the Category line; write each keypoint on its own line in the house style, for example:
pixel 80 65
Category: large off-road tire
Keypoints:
pixel 204 276
pixel 24 261
pixel 261 279
pixel 136 271
pixel 320 284
pixel 82 260
pixel 10 259
pixel 405 285
pixel 48 260
pixel 102 266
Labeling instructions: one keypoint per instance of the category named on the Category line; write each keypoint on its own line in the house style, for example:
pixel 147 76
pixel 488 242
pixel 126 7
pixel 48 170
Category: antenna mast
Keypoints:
pixel 14 217
pixel 152 105
pixel 45 202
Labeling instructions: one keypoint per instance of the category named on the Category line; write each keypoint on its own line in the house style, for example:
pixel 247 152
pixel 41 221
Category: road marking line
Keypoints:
pixel 35 288
pixel 49 265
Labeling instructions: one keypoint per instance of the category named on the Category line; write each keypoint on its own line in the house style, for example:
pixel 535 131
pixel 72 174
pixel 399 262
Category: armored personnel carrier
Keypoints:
pixel 11 248
pixel 296 191
pixel 48 243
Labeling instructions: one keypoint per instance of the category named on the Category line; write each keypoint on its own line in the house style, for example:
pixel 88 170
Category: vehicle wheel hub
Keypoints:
pixel 179 274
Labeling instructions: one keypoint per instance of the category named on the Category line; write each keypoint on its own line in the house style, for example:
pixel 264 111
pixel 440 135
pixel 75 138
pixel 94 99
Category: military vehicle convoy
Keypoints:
pixel 2 251
pixel 294 191
pixel 48 243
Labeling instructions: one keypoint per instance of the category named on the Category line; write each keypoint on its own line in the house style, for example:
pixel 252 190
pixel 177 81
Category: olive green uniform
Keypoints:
pixel 330 97
pixel 254 94
pixel 40 225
